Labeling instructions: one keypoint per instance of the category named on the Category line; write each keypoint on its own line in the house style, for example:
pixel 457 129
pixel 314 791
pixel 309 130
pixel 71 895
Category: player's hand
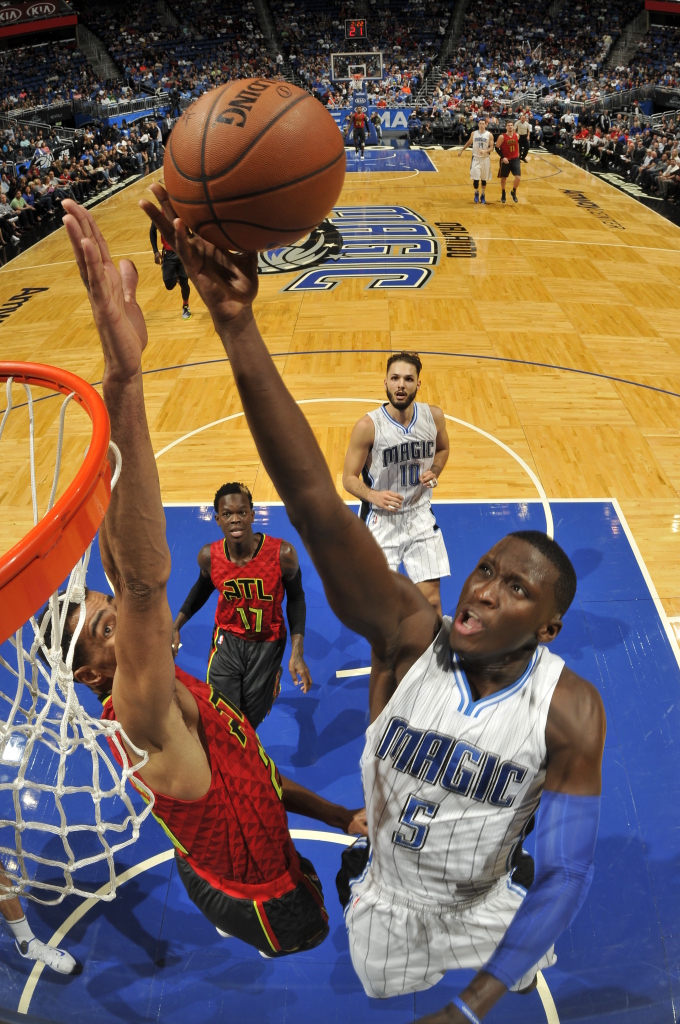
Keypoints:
pixel 505 160
pixel 300 673
pixel 175 641
pixel 429 478
pixel 157 258
pixel 111 290
pixel 388 500
pixel 357 824
pixel 226 281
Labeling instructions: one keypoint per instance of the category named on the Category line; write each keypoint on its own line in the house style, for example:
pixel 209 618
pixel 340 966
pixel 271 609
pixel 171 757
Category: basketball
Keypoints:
pixel 254 164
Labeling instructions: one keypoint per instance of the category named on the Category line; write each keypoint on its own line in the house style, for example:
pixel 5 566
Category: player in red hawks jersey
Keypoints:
pixel 173 269
pixel 507 146
pixel 358 122
pixel 217 794
pixel 251 573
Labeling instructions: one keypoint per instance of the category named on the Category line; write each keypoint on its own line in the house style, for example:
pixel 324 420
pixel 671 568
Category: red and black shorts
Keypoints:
pixel 512 167
pixel 246 672
pixel 291 923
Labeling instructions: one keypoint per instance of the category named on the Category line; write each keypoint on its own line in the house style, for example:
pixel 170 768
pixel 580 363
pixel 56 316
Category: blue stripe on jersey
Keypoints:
pixel 409 428
pixel 473 708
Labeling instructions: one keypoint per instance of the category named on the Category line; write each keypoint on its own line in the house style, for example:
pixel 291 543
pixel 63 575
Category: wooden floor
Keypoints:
pixel 553 282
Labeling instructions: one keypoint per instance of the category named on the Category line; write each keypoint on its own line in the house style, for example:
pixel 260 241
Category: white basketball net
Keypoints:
pixel 59 825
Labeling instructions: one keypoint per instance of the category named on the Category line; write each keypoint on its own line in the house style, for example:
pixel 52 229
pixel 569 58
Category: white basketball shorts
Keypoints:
pixel 399 946
pixel 480 170
pixel 411 537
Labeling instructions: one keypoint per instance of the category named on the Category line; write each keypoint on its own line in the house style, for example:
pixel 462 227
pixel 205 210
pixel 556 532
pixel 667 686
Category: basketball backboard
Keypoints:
pixel 345 65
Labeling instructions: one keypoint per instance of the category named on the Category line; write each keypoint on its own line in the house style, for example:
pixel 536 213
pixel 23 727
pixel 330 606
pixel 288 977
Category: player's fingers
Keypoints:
pixel 187 250
pixel 80 214
pixel 97 236
pixel 164 199
pixel 95 270
pixel 245 261
pixel 129 278
pixel 159 191
pixel 158 217
pixel 89 228
pixel 75 236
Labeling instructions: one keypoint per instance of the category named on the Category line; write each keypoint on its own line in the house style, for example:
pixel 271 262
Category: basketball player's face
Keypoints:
pixel 96 642
pixel 235 518
pixel 507 604
pixel 402 384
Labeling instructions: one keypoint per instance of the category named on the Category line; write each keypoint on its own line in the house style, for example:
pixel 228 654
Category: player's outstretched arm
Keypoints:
pixel 468 143
pixel 353 569
pixel 298 800
pixel 566 831
pixel 134 550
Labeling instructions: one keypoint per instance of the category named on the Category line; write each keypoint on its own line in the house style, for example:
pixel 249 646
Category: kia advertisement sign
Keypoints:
pixel 41 10
pixel 27 12
pixel 16 19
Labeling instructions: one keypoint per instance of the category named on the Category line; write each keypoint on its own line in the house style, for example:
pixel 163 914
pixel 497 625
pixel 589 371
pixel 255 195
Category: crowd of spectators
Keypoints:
pixel 644 155
pixel 507 51
pixel 41 168
pixel 212 43
pixel 503 51
pixel 56 72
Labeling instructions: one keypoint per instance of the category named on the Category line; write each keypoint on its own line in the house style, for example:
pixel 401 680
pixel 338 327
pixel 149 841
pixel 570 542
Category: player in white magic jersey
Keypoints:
pixel 482 143
pixel 473 710
pixel 396 454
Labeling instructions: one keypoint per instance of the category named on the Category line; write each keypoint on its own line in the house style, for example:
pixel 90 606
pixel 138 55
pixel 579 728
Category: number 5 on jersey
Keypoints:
pixel 415 808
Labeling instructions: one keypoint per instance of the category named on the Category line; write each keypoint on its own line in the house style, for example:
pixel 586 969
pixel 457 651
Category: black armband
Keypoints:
pixel 296 606
pixel 153 237
pixel 198 595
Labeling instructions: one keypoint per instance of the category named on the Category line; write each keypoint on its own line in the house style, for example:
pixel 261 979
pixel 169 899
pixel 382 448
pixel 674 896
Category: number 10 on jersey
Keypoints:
pixel 413 475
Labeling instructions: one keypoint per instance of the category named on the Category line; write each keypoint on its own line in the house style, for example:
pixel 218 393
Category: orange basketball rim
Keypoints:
pixel 35 567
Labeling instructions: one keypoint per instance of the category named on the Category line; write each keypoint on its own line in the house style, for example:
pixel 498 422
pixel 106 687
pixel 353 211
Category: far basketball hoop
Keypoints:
pixel 346 66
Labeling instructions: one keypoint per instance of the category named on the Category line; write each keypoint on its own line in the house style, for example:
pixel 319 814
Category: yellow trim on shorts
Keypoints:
pixel 266 933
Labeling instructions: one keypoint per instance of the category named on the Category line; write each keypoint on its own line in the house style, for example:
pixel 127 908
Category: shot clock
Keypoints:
pixel 355 28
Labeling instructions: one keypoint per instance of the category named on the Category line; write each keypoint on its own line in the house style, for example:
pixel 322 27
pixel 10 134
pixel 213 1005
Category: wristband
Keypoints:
pixel 465 1010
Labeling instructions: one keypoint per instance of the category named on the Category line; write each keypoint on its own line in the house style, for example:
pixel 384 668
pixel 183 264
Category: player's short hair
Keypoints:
pixel 565 585
pixel 67 632
pixel 405 357
pixel 232 488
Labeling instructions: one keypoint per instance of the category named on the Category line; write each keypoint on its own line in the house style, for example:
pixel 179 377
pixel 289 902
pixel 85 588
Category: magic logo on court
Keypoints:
pixel 389 246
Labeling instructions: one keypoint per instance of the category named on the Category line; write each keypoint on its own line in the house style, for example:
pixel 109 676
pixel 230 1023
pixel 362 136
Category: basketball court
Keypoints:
pixel 550 336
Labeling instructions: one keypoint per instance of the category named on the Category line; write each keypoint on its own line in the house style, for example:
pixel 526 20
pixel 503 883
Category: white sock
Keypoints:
pixel 21 930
